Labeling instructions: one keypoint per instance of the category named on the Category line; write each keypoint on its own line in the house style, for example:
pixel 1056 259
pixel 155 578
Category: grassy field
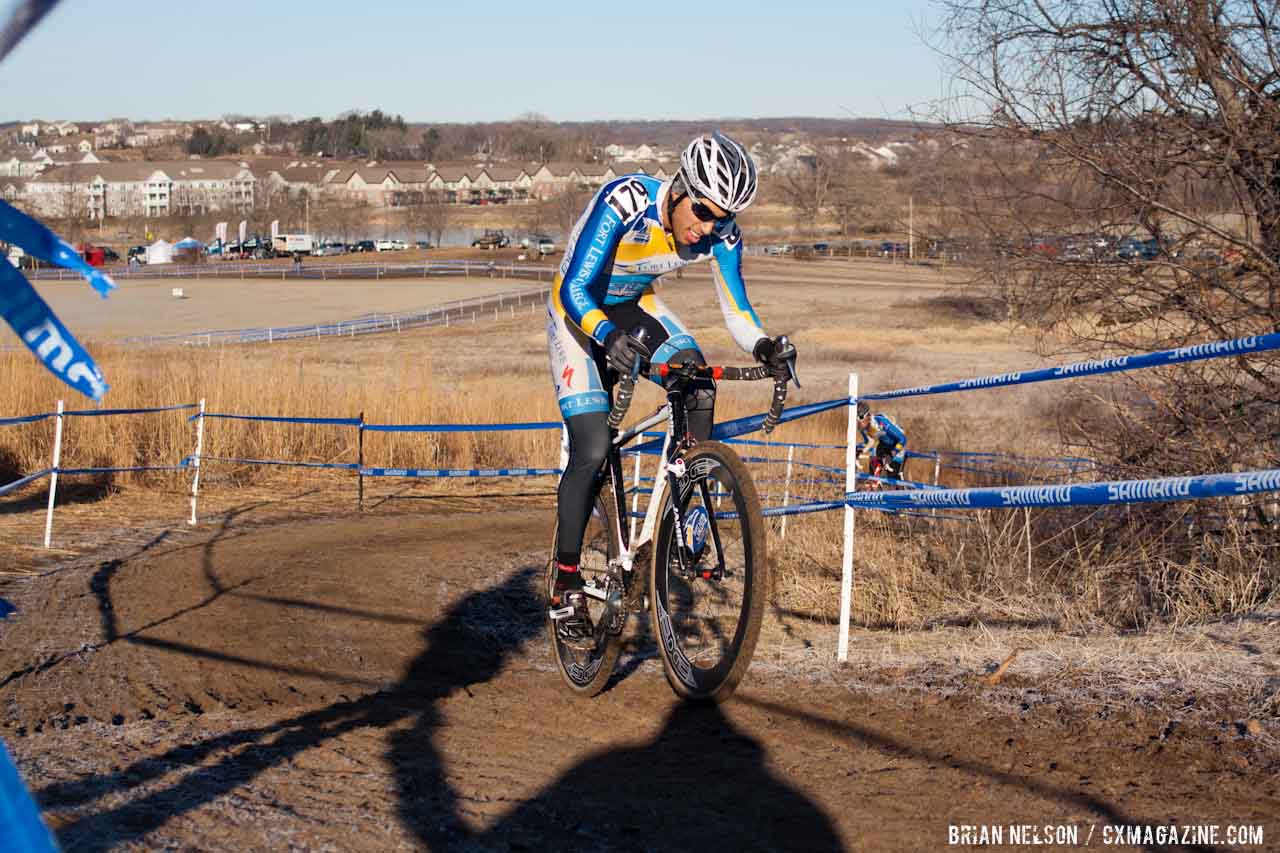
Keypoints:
pixel 147 306
pixel 896 326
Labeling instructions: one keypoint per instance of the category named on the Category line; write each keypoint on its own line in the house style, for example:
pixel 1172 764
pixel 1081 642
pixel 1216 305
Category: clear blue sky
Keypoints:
pixel 472 61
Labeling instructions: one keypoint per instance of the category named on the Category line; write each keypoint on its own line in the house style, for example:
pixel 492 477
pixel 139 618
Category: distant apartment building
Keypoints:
pixel 144 136
pixel 23 163
pixel 142 189
pixel 13 189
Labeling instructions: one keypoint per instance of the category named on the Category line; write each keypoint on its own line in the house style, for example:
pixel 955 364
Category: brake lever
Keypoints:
pixel 783 343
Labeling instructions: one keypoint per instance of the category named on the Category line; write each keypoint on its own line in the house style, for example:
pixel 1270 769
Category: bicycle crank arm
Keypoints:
pixel 597 594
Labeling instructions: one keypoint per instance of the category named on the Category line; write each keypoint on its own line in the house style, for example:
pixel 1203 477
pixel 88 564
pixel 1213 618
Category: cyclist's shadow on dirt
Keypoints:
pixel 700 783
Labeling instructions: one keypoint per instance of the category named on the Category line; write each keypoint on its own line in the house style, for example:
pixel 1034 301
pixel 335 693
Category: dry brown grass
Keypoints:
pixel 911 571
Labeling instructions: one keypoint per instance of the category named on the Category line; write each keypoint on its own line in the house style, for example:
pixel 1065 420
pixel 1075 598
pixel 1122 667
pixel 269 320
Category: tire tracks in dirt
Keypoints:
pixel 381 681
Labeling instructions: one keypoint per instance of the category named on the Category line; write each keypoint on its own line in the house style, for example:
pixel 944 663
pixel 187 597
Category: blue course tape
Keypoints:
pixel 977 455
pixel 92 413
pixel 25 419
pixel 1180 355
pixel 120 470
pixel 827 506
pixel 18 484
pixel 32 318
pixel 460 427
pixel 783 444
pixel 1085 494
pixel 459 472
pixel 751 423
pixel 283 420
pixel 341 466
pixel 20 826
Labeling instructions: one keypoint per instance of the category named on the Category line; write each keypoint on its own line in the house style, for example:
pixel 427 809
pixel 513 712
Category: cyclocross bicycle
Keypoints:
pixel 708 574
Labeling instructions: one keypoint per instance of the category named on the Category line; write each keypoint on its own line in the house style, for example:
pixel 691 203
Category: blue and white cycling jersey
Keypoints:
pixel 617 250
pixel 886 439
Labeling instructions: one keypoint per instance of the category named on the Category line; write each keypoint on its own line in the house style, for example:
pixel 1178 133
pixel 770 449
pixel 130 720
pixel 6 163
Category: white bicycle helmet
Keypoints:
pixel 717 169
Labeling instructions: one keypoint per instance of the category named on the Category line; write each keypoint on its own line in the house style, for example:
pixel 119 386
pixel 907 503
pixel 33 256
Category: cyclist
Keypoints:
pixel 635 229
pixel 883 443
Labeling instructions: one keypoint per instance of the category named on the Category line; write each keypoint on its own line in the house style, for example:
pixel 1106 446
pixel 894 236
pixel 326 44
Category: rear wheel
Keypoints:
pixel 707 614
pixel 587 671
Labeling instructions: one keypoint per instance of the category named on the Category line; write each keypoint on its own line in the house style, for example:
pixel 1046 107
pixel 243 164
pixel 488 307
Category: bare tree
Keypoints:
pixel 427 213
pixel 1126 111
pixel 567 207
pixel 807 185
pixel 859 197
pixel 1151 119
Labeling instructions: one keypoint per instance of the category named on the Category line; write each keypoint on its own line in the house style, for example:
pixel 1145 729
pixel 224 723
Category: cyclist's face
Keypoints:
pixel 687 227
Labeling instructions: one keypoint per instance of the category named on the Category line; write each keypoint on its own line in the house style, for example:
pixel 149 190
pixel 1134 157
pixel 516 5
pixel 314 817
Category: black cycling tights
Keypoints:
pixel 588 446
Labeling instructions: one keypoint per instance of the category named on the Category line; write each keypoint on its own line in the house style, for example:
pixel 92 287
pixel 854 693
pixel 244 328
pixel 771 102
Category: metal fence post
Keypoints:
pixel 195 461
pixel 850 485
pixel 53 477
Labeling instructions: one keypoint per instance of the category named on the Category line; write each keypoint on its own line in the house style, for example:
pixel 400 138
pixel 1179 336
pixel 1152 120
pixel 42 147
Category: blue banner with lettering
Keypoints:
pixel 1077 494
pixel 1196 352
pixel 32 318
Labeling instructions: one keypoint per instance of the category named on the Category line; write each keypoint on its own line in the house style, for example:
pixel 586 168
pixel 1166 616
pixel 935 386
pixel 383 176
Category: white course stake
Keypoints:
pixel 195 461
pixel 53 478
pixel 850 485
pixel 786 490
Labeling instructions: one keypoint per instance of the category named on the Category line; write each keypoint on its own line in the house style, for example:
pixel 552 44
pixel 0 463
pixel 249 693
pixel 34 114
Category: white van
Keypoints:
pixel 287 244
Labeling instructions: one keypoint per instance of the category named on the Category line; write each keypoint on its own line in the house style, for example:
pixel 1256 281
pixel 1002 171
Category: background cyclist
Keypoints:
pixel 883 443
pixel 635 229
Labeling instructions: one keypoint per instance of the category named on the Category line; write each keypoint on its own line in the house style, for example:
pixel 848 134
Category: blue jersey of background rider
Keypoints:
pixel 620 246
pixel 885 439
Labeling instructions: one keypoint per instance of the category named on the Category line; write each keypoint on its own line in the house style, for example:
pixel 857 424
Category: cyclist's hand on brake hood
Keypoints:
pixel 622 350
pixel 777 354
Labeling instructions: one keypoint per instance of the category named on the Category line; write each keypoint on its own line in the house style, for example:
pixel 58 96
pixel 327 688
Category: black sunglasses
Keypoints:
pixel 706 214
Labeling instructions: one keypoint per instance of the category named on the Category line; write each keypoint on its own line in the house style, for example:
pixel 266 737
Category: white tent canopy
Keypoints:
pixel 160 252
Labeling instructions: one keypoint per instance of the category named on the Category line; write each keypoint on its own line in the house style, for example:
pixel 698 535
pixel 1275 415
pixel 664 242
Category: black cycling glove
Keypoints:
pixel 622 351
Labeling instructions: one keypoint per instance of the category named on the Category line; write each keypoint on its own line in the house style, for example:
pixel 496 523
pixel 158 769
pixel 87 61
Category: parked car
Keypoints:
pixel 399 245
pixel 783 249
pixel 422 244
pixel 365 246
pixel 491 240
pixel 258 247
pixel 890 249
pixel 822 248
pixel 330 249
pixel 139 254
pixel 546 245
pixel 1130 249
pixel 110 255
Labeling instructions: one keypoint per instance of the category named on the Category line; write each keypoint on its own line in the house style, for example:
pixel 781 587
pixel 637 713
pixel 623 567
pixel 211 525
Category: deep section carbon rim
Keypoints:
pixel 706 615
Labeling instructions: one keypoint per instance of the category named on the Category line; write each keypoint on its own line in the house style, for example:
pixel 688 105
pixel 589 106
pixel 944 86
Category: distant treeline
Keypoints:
pixel 383 136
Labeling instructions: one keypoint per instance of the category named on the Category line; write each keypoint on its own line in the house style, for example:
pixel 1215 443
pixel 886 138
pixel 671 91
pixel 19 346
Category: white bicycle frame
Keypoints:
pixel 626 557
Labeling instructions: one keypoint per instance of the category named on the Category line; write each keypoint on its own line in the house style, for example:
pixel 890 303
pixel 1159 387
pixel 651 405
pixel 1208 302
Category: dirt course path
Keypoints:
pixel 381 682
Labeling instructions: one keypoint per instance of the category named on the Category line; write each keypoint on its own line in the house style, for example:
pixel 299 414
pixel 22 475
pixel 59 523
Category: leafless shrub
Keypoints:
pixel 1131 191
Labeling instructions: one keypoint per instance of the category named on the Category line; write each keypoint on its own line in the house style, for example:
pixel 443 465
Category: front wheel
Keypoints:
pixel 587 671
pixel 707 607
